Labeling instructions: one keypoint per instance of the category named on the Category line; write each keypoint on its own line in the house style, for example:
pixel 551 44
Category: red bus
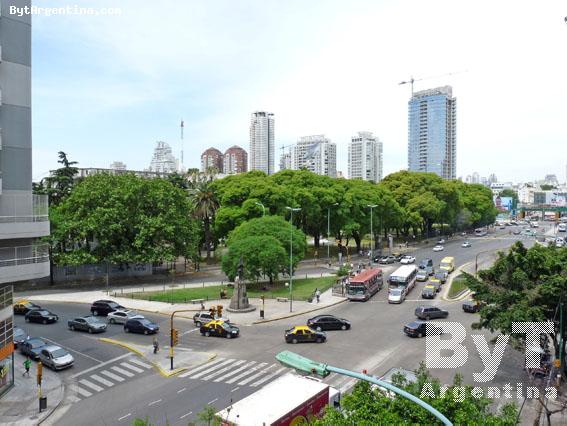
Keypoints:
pixel 364 285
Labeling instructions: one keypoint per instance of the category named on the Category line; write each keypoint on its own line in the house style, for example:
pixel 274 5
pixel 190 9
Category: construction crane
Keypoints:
pixel 412 80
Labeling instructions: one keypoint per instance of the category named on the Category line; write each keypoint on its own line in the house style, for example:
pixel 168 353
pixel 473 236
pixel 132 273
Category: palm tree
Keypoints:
pixel 206 204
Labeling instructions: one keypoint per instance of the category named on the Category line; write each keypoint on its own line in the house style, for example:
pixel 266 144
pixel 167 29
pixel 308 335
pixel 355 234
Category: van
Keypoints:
pixel 448 263
pixel 427 264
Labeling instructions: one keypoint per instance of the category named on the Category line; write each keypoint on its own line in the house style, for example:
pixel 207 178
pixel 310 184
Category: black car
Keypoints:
pixel 104 307
pixel 22 308
pixel 144 326
pixel 422 328
pixel 387 259
pixel 430 312
pixel 304 334
pixel 219 328
pixel 19 336
pixel 32 347
pixel 328 322
pixel 90 324
pixel 471 306
pixel 441 275
pixel 42 316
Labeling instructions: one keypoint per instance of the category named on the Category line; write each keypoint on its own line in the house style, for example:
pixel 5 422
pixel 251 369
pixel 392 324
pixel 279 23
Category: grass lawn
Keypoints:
pixel 458 285
pixel 302 290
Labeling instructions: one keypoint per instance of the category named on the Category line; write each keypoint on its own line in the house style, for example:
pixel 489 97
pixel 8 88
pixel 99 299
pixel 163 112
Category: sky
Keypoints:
pixel 106 88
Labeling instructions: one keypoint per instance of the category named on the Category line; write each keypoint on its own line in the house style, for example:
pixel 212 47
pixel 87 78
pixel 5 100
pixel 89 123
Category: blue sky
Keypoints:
pixel 106 88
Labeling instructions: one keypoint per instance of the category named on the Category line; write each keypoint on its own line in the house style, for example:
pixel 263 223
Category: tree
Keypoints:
pixel 546 187
pixel 208 416
pixel 123 219
pixel 206 204
pixel 262 256
pixel 366 406
pixel 61 182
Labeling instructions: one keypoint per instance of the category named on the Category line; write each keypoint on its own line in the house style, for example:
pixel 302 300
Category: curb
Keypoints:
pixel 46 417
pixel 164 373
pixel 459 296
pixel 298 313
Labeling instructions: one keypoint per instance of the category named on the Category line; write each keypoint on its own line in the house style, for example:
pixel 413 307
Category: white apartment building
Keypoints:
pixel 262 143
pixel 163 160
pixel 365 158
pixel 315 153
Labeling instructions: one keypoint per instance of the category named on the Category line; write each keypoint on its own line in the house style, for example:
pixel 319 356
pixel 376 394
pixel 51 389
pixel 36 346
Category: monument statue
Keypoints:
pixel 239 300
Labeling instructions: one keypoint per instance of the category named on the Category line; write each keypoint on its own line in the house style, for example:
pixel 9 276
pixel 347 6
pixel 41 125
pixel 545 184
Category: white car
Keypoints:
pixel 120 317
pixel 396 295
pixel 407 259
pixel 466 244
pixel 438 247
pixel 441 241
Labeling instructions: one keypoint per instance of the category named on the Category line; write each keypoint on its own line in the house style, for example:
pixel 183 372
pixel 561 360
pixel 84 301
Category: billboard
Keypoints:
pixel 503 204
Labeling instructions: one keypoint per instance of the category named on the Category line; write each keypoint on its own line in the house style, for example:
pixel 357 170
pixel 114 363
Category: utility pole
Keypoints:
pixel 329 231
pixel 291 209
pixel 181 168
pixel 371 233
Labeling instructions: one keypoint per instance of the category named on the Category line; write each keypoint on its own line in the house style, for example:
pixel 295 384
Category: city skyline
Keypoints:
pixel 131 93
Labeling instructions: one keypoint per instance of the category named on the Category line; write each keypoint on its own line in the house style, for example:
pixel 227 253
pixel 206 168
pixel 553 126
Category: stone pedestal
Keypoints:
pixel 239 300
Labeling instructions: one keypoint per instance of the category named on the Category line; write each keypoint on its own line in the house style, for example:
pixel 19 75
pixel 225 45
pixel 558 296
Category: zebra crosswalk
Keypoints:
pixel 235 371
pixel 100 379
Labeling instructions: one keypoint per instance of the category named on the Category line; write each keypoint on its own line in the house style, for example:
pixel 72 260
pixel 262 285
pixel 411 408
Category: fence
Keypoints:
pixel 91 272
pixel 23 208
pixel 24 255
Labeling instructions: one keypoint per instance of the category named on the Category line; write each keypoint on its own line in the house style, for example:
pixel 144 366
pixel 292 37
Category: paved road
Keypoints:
pixel 375 343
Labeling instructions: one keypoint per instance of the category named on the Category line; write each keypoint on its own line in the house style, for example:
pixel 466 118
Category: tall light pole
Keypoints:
pixel 371 233
pixel 329 230
pixel 291 209
pixel 263 208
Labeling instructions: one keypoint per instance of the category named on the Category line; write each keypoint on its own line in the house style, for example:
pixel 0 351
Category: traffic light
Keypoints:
pixel 39 373
pixel 213 311
pixel 219 311
pixel 174 336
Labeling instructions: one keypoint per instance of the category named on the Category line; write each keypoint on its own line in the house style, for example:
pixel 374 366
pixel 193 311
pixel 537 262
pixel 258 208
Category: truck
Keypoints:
pixel 289 400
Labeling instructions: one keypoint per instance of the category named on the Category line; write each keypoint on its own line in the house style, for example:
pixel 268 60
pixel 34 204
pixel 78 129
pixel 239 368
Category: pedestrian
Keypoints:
pixel 27 365
pixel 317 294
pixel 156 345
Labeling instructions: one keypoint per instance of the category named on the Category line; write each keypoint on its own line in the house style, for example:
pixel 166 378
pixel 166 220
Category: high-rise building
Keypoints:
pixel 24 215
pixel 315 153
pixel 163 160
pixel 262 143
pixel 212 158
pixel 432 132
pixel 118 165
pixel 365 157
pixel 285 161
pixel 235 160
pixel 475 177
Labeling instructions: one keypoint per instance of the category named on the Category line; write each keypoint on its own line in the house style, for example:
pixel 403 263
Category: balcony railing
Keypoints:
pixel 24 255
pixel 23 208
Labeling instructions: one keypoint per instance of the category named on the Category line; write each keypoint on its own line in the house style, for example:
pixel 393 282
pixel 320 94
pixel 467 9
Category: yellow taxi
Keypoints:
pixel 304 334
pixel 429 292
pixel 219 328
pixel 23 306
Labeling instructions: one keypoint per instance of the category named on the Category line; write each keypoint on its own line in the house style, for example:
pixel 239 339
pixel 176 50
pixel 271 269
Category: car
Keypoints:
pixel 144 326
pixel 19 336
pixel 427 264
pixel 440 276
pixel 422 275
pixel 201 318
pixel 396 295
pixel 517 231
pixel 219 328
pixel 421 328
pixel 429 292
pixel 436 285
pixel 304 334
pixel 22 307
pixel 88 323
pixel 438 247
pixel 42 316
pixel 328 322
pixel 32 347
pixel 430 312
pixel 104 307
pixel 441 241
pixel 387 259
pixel 502 226
pixel 466 244
pixel 398 256
pixel 55 357
pixel 120 317
pixel 471 306
pixel 407 259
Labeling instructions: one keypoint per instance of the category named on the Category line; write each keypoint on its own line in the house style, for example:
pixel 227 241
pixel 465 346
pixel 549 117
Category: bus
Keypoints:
pixel 404 276
pixel 480 232
pixel 364 285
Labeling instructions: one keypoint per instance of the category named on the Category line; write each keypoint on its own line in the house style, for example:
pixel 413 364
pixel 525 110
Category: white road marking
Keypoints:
pixel 112 376
pixel 249 379
pixel 235 389
pixel 73 398
pixel 274 374
pixel 72 350
pixel 83 392
pixel 185 415
pixel 101 380
pixel 154 402
pixel 214 400
pixel 88 370
pixel 190 331
pixel 122 371
pixel 140 363
pixel 123 417
pixel 131 367
pixel 202 373
pixel 222 370
pixel 208 364
pixel 247 372
pixel 91 385
pixel 233 372
pixel 182 390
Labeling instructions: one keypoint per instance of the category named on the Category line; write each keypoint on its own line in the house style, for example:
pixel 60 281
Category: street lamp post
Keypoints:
pixel 291 209
pixel 371 233
pixel 263 208
pixel 329 231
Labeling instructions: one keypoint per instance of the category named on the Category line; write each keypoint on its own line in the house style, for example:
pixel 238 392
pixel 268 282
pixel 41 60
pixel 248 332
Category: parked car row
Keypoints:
pixel 52 356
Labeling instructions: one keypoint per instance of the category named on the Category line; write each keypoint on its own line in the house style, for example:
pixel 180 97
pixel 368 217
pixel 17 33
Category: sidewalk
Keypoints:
pixel 20 406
